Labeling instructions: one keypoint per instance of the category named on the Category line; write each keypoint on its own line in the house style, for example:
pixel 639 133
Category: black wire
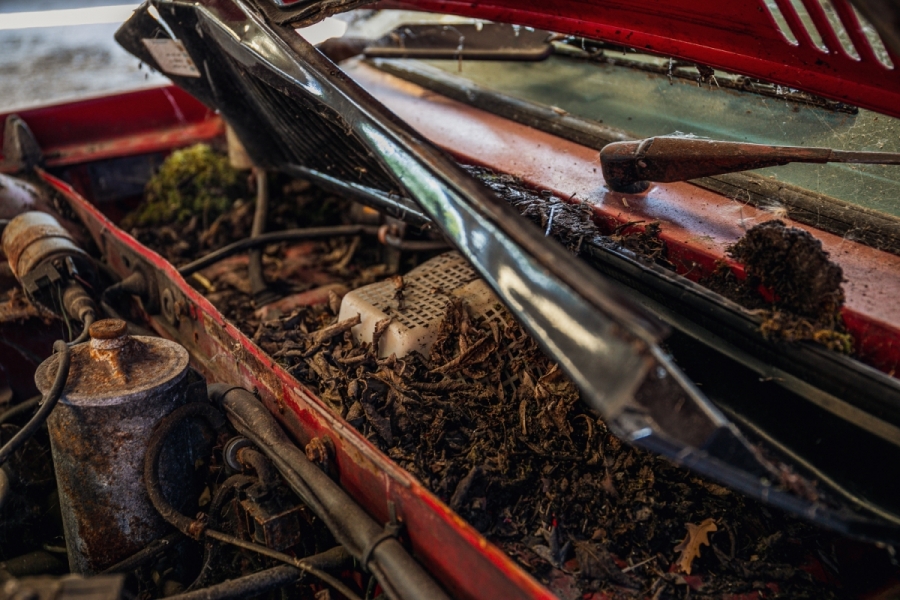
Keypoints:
pixel 258 287
pixel 288 235
pixel 247 586
pixel 4 487
pixel 193 528
pixel 20 408
pixel 230 485
pixel 50 400
pixel 153 549
pixel 87 321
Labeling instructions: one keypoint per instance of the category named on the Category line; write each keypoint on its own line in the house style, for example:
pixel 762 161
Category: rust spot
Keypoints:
pixel 110 367
pixel 319 450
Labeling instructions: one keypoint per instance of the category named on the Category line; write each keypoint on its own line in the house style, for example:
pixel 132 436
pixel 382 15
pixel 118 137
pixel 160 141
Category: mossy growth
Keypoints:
pixel 192 181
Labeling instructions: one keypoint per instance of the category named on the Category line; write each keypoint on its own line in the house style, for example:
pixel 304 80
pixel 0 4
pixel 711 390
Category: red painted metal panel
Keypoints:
pixel 119 125
pixel 741 36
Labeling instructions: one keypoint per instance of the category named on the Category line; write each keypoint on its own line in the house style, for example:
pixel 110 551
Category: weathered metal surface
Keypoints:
pixel 33 237
pixel 631 166
pixel 108 127
pixel 119 387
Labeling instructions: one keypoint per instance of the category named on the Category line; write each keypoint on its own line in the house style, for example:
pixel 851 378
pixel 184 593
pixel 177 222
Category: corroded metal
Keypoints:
pixel 119 388
pixel 629 167
pixel 33 237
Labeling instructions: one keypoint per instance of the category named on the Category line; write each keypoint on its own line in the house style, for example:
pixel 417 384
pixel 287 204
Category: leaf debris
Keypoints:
pixel 697 535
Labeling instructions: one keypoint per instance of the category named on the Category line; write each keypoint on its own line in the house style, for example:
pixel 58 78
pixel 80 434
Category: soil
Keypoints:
pixel 530 467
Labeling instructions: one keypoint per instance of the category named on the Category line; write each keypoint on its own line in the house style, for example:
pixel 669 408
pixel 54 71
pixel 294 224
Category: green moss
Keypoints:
pixel 192 181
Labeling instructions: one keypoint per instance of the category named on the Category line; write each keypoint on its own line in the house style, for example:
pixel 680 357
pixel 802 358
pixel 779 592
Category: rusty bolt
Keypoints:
pixel 108 335
pixel 318 450
pixel 168 306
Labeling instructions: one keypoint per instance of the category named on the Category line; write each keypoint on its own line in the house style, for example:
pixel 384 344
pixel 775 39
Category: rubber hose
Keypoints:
pixel 196 529
pixel 144 555
pixel 4 487
pixel 255 460
pixel 19 409
pixel 215 507
pixel 268 580
pixel 89 318
pixel 288 235
pixel 400 575
pixel 258 287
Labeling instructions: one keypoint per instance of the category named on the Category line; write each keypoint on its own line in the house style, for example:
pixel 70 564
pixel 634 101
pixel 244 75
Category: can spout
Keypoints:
pixel 110 344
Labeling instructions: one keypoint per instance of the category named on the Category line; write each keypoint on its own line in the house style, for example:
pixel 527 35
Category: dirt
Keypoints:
pixel 528 465
pixel 572 224
pixel 791 283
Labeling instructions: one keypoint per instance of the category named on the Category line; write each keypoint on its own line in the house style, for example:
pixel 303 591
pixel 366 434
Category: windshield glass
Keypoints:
pixel 643 103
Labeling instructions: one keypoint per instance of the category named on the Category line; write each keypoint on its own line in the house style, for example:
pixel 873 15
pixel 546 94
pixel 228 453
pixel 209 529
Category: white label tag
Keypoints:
pixel 172 58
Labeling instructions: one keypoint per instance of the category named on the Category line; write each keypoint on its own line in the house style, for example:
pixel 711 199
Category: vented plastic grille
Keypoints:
pixel 425 290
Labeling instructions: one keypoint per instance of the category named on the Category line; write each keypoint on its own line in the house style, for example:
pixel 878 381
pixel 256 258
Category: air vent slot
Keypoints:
pixel 831 27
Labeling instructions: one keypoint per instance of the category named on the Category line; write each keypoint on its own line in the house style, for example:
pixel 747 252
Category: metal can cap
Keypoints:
pixel 108 329
pixel 115 367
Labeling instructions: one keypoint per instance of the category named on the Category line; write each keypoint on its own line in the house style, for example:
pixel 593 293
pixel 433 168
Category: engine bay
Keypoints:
pixel 401 340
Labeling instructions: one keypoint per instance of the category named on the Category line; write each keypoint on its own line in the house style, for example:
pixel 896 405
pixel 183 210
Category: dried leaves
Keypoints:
pixel 697 535
pixel 515 453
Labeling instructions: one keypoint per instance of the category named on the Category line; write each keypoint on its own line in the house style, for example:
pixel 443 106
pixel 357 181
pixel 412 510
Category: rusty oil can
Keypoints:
pixel 119 388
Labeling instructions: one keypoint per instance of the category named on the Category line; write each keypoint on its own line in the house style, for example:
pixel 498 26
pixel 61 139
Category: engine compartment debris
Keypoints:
pixel 506 442
pixel 476 412
pixel 195 182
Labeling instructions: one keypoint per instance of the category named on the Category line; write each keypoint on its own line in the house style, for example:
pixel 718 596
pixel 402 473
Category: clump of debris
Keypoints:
pixel 804 284
pixel 788 263
pixel 536 471
pixel 572 223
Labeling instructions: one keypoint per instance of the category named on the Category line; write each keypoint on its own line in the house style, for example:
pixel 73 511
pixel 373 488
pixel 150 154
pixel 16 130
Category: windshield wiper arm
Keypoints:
pixel 630 166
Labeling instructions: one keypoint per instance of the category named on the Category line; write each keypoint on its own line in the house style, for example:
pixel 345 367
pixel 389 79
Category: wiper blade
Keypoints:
pixel 630 166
